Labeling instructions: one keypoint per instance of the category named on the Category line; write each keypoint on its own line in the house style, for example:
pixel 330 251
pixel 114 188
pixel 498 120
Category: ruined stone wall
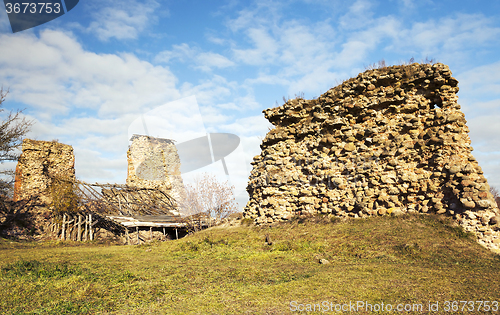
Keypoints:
pixel 38 163
pixel 391 140
pixel 154 163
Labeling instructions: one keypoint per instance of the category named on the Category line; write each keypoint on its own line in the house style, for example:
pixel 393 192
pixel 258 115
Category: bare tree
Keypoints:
pixel 12 131
pixel 209 197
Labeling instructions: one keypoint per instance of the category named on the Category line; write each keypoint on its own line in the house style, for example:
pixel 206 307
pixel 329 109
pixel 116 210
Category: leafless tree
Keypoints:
pixel 12 131
pixel 209 197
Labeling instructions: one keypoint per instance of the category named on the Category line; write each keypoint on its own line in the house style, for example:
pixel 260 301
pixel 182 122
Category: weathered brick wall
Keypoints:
pixel 391 140
pixel 154 163
pixel 38 163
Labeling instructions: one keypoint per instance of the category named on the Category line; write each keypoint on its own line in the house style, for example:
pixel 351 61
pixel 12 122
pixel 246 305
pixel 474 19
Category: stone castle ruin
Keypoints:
pixel 38 164
pixel 155 163
pixel 153 179
pixel 391 140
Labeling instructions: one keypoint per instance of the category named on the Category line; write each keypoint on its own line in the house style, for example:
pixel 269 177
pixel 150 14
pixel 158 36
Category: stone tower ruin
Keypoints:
pixel 391 140
pixel 154 163
pixel 38 164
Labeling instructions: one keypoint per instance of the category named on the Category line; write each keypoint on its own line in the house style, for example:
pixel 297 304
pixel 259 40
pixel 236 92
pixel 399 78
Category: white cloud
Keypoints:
pixel 216 40
pixel 481 82
pixel 91 166
pixel 271 79
pixel 123 19
pixel 247 102
pixel 297 50
pixel 62 75
pixel 480 97
pixel 179 120
pixel 245 18
pixel 358 16
pixel 210 91
pixel 308 56
pixel 248 126
pixel 80 97
pixel 304 48
pixel 450 37
pixel 353 51
pixel 204 61
pixel 301 54
pixel 180 52
pixel 408 4
pixel 208 60
pixel 316 82
pixel 265 50
pixel 490 166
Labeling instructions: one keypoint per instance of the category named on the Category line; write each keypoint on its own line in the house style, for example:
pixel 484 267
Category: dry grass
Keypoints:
pixel 382 64
pixel 409 259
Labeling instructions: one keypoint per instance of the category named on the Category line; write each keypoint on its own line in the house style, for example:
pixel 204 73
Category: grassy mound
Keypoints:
pixel 255 270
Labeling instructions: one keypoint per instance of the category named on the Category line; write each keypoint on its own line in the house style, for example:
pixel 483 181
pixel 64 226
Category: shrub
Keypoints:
pixel 210 197
pixel 64 197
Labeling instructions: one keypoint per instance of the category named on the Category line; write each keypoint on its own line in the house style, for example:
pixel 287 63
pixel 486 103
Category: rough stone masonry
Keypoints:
pixel 391 140
pixel 155 163
pixel 39 162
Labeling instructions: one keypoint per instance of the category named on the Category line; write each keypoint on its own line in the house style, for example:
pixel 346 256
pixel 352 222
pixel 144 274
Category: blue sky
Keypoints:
pixel 85 77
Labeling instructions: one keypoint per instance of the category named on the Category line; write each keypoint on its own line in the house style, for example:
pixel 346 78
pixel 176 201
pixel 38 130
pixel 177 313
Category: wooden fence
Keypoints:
pixel 118 208
pixel 123 199
pixel 82 226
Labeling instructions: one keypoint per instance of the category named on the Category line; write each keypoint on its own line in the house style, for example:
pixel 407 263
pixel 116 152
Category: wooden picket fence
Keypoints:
pixel 81 226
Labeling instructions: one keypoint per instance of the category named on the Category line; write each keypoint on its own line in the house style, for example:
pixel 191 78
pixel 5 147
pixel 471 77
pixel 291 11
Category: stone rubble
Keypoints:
pixel 389 141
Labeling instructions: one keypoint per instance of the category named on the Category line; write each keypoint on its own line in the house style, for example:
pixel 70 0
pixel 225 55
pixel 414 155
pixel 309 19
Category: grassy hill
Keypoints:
pixel 233 270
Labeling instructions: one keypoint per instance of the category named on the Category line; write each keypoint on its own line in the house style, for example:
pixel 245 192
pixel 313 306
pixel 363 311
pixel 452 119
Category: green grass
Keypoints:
pixel 407 259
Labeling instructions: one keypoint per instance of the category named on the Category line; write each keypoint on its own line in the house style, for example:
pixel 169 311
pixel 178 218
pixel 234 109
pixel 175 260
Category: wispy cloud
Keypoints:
pixel 452 37
pixel 208 60
pixel 204 61
pixel 481 82
pixel 265 51
pixel 123 19
pixel 61 75
pixel 359 15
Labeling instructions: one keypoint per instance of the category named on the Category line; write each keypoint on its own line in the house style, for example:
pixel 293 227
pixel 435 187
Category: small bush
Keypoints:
pixel 335 220
pixel 284 246
pixel 64 198
pixel 208 240
pixel 246 222
pixel 190 246
pixel 411 250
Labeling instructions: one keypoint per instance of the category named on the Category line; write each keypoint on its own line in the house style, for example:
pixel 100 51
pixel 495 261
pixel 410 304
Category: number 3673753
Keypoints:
pixel 31 7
